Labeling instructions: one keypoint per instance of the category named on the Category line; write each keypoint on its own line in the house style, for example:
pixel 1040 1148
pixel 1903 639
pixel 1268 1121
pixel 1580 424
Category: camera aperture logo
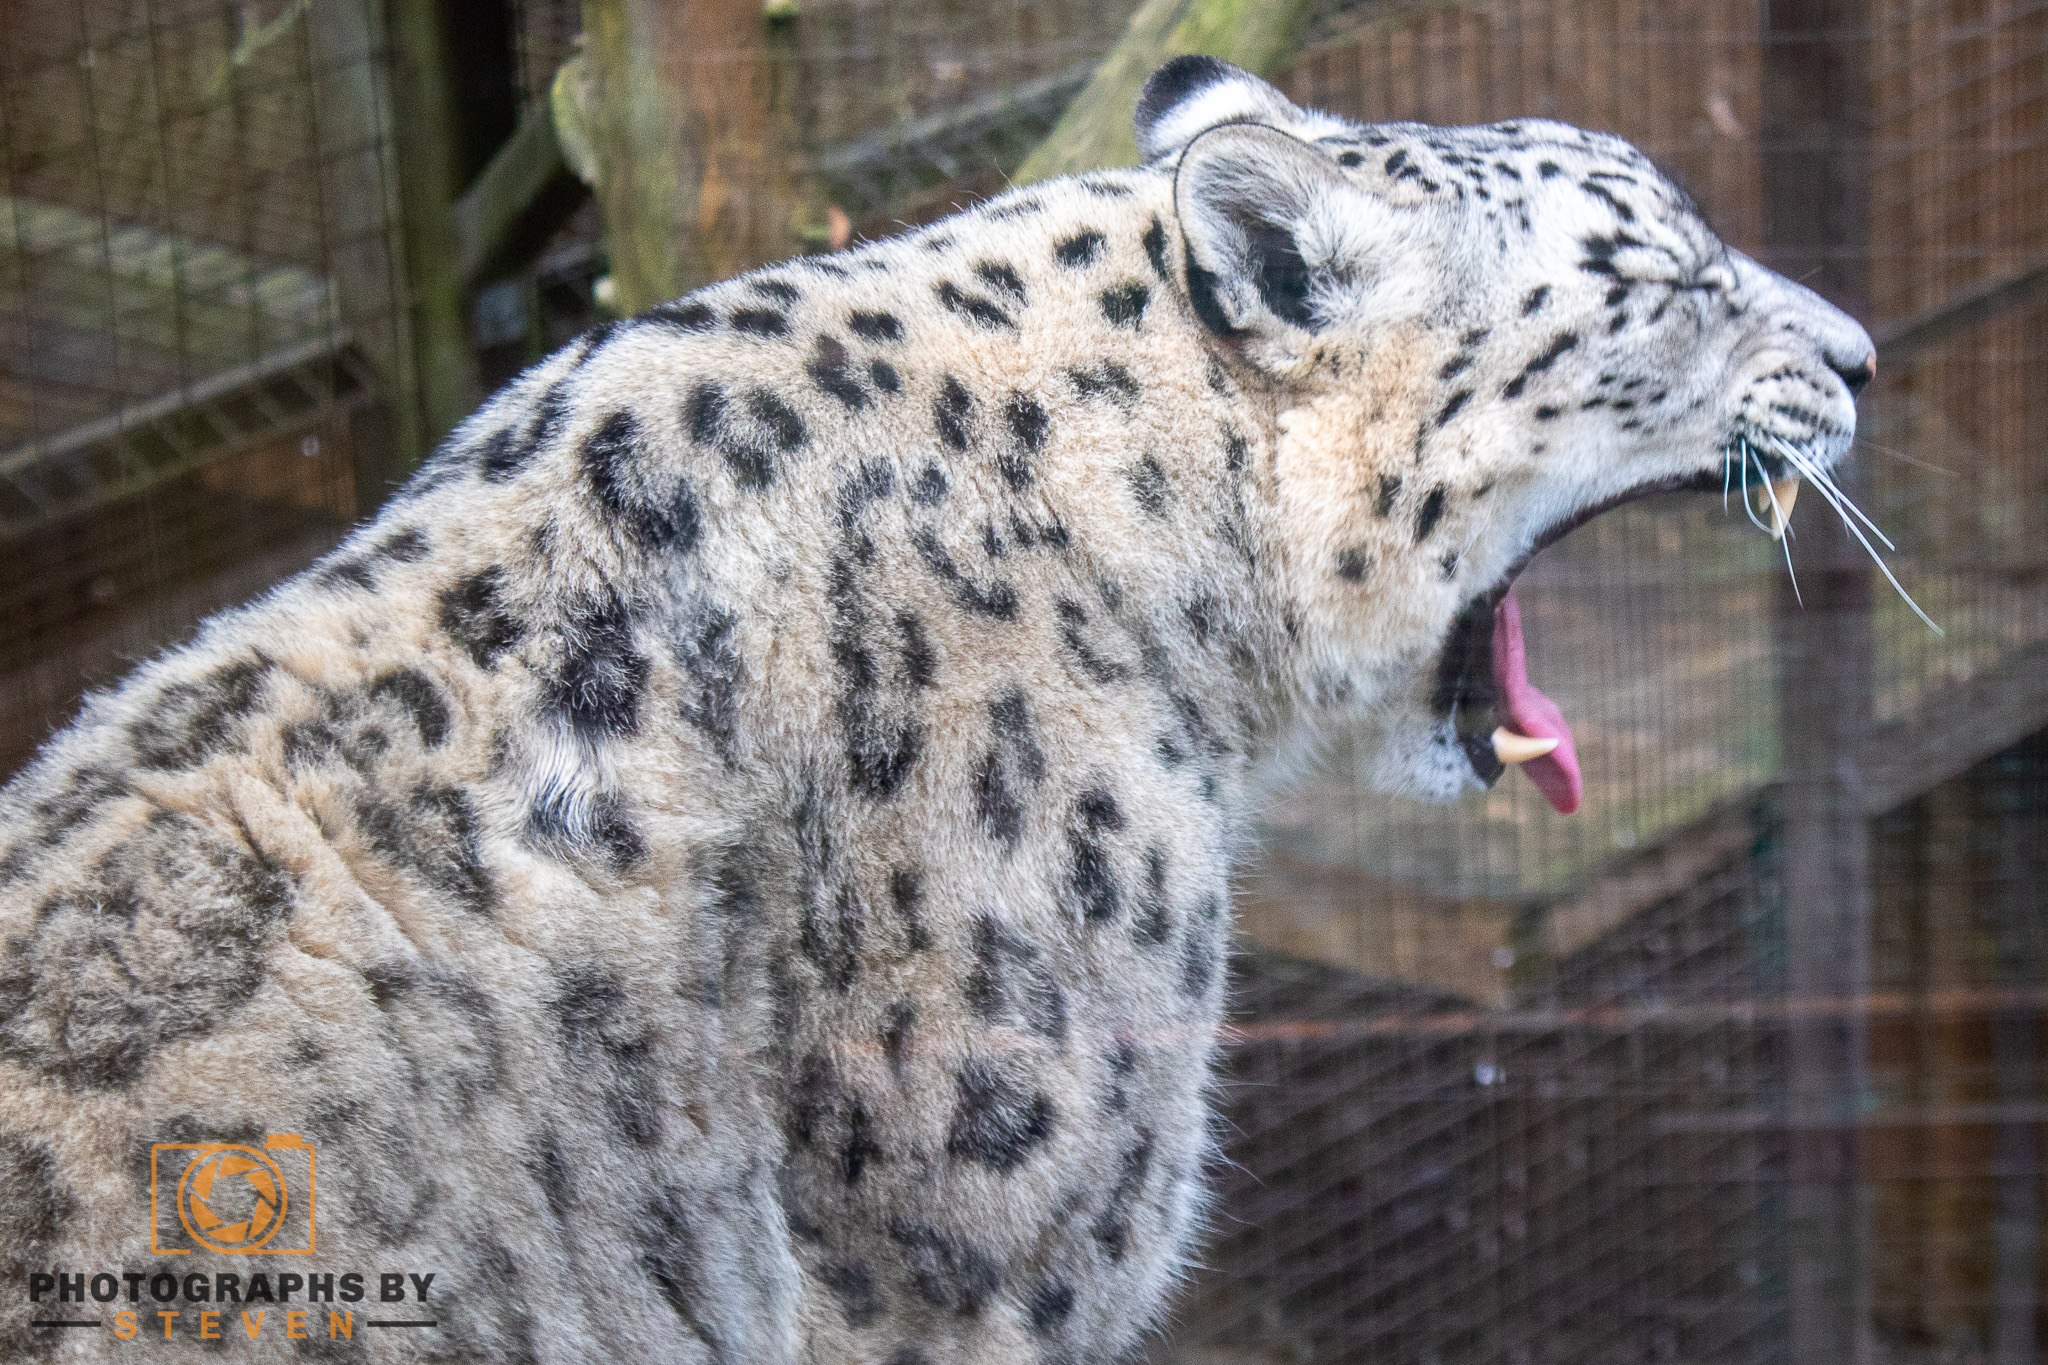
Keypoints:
pixel 233 1198
pixel 230 1199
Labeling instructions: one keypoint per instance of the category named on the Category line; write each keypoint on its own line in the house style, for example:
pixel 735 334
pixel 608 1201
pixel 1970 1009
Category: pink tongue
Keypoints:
pixel 1527 711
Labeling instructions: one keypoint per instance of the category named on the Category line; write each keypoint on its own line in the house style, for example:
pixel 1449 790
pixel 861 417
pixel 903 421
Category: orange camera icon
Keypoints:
pixel 232 1198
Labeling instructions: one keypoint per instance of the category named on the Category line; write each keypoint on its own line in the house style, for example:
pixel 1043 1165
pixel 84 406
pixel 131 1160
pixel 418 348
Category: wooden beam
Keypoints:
pixel 1953 730
pixel 517 204
pixel 1096 128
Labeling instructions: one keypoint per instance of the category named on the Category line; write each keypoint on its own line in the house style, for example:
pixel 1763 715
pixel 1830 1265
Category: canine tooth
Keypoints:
pixel 1775 502
pixel 1510 747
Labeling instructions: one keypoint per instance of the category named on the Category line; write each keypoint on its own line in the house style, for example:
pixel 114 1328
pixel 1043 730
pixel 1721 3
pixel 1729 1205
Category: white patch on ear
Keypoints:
pixel 1190 95
pixel 1357 246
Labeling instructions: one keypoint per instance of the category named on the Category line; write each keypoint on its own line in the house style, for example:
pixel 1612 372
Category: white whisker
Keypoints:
pixel 1779 518
pixel 1843 506
pixel 1822 480
pixel 1904 458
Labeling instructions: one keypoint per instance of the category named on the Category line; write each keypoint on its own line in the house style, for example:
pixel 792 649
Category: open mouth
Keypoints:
pixel 1502 719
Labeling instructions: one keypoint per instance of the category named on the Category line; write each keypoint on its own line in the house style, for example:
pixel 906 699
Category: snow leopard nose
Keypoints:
pixel 1855 374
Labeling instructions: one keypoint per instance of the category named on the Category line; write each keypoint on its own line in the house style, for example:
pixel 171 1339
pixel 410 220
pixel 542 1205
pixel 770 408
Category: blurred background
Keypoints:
pixel 1744 1062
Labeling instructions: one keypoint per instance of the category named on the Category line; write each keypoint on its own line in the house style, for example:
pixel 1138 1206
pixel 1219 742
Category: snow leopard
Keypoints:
pixel 733 863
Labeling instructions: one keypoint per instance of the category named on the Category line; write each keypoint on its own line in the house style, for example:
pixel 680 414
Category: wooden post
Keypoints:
pixel 366 248
pixel 1096 128
pixel 1817 224
pixel 691 127
pixel 429 179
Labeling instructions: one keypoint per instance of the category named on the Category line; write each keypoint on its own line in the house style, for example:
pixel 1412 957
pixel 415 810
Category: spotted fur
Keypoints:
pixel 733 864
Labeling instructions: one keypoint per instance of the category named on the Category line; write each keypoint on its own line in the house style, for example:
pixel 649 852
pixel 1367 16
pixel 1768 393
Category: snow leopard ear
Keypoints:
pixel 1190 95
pixel 1280 243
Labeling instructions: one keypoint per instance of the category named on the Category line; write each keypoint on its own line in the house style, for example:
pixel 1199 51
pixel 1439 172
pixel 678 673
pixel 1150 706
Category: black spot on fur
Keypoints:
pixel 883 376
pixel 1546 413
pixel 1536 298
pixel 996 599
pixel 1092 877
pixel 951 412
pixel 896 1025
pixel 162 938
pixel 1148 485
pixel 437 834
pixel 711 661
pixel 1073 628
pixel 612 462
pixel 760 322
pixel 475 617
pixel 189 722
pixel 1549 170
pixel 408 546
pixel 1051 1304
pixel 920 663
pixel 345 572
pixel 1015 761
pixel 671 1254
pixel 946 1273
pixel 749 451
pixel 829 936
pixel 1559 345
pixel 779 290
pixel 1079 250
pixel 876 326
pixel 1236 451
pixel 1003 278
pixel 602 675
pixel 930 486
pixel 1011 983
pixel 1112 1227
pixel 611 1050
pixel 1107 379
pixel 853 1284
pixel 505 454
pixel 1201 950
pixel 1431 513
pixel 1353 564
pixel 1124 304
pixel 1154 242
pixel 828 370
pixel 973 307
pixel 1154 922
pixel 997 1122
pixel 1390 488
pixel 1452 406
pixel 906 893
pixel 682 315
pixel 1027 420
pixel 422 701
pixel 1601 192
